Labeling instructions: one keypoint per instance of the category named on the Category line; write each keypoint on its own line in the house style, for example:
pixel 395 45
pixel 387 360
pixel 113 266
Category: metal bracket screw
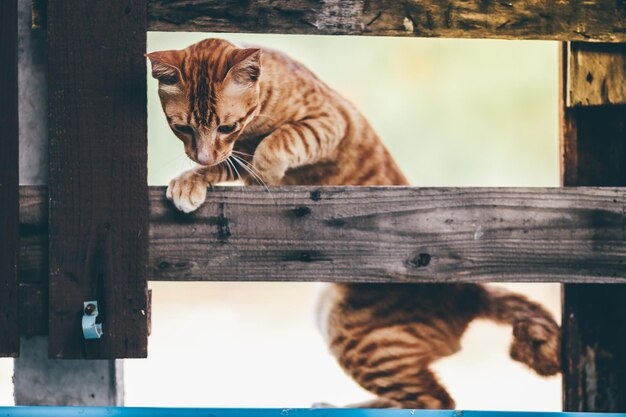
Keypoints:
pixel 91 329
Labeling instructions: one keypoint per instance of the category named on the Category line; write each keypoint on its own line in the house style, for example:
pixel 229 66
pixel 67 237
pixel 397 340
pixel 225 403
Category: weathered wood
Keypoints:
pixel 37 379
pixel 584 20
pixel 594 346
pixel 33 229
pixel 593 138
pixel 33 309
pixel 383 234
pixel 32 88
pixel 38 14
pixel 602 156
pixel 98 187
pixel 9 182
pixel 596 74
pixel 594 339
pixel 33 98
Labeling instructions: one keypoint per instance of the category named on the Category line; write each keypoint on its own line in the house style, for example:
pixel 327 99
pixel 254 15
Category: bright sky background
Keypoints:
pixel 453 113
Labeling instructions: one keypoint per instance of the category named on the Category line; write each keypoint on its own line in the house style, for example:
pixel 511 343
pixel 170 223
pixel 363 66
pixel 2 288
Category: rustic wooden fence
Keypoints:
pixel 98 232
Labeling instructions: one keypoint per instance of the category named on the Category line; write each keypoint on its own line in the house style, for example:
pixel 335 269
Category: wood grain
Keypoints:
pixel 584 20
pixel 9 181
pixel 594 339
pixel 98 188
pixel 596 74
pixel 33 310
pixel 33 261
pixel 382 235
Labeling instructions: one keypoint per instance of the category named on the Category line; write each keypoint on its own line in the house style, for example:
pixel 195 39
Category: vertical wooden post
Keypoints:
pixel 593 153
pixel 9 186
pixel 37 379
pixel 98 175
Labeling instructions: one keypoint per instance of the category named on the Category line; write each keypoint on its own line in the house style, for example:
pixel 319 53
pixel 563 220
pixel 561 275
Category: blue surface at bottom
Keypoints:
pixel 267 412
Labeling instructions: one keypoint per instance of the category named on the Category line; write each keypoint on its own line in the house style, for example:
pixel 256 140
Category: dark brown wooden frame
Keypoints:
pixel 9 181
pixel 594 151
pixel 593 142
pixel 97 132
pixel 583 20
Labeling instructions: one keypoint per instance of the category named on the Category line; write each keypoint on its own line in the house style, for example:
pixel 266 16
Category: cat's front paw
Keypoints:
pixel 187 191
pixel 538 345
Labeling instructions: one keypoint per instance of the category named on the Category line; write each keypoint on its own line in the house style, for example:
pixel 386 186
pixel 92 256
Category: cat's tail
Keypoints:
pixel 536 336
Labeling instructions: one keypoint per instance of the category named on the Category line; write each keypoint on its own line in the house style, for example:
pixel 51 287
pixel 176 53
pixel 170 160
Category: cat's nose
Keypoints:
pixel 204 159
pixel 203 155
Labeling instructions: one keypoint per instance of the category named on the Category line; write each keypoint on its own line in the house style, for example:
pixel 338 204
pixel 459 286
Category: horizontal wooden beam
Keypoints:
pixel 573 20
pixel 379 234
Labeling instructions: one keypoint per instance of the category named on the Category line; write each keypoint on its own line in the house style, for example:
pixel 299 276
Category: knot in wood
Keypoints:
pixel 420 260
pixel 301 211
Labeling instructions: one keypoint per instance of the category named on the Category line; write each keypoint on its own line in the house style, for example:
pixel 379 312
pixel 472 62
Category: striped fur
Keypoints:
pixel 298 130
pixel 386 335
pixel 292 129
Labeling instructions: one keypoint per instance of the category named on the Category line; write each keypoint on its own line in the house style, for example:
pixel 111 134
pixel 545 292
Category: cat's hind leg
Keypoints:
pixel 419 390
pixel 375 403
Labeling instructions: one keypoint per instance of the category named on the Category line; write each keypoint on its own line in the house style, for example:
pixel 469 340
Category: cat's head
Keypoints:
pixel 209 93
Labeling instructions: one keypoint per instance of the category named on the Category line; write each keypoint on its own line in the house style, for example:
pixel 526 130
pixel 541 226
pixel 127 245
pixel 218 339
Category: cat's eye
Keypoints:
pixel 184 129
pixel 227 128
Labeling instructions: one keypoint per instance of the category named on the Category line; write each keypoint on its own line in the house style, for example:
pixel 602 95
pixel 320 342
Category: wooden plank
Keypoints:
pixel 384 234
pixel 33 229
pixel 602 156
pixel 596 74
pixel 594 343
pixel 38 380
pixel 98 187
pixel 594 339
pixel 584 20
pixel 33 309
pixel 9 181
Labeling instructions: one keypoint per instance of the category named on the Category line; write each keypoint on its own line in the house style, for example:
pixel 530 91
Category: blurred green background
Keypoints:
pixel 452 112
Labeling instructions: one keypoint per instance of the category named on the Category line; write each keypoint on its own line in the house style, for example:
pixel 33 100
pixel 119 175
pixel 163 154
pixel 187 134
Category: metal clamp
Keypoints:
pixel 91 329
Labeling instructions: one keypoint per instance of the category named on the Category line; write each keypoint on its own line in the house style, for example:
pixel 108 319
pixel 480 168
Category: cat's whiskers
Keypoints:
pixel 237 171
pixel 231 175
pixel 242 153
pixel 248 167
pixel 235 160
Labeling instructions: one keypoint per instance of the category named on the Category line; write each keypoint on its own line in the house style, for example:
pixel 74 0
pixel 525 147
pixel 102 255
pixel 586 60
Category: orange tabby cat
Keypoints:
pixel 268 114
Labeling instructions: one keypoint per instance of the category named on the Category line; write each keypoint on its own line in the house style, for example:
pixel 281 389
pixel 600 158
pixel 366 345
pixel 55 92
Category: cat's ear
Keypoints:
pixel 245 67
pixel 166 65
